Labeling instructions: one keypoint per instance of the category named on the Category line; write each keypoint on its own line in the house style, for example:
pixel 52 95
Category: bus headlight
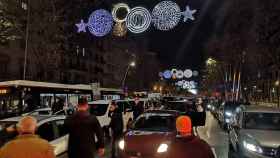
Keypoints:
pixel 121 144
pixel 162 148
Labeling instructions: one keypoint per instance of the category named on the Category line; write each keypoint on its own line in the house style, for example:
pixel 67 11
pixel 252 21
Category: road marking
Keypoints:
pixel 214 152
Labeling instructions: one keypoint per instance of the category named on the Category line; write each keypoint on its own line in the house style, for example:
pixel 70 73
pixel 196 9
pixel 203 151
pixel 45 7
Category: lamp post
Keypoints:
pixel 26 39
pixel 131 64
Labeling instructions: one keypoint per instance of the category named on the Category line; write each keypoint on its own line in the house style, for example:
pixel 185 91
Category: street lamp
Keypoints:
pixel 131 64
pixel 211 61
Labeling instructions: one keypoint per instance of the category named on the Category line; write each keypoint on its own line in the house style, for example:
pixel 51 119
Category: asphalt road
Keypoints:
pixel 215 136
pixel 211 133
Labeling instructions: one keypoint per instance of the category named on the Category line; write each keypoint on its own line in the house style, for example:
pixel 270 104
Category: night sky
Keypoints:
pixel 183 46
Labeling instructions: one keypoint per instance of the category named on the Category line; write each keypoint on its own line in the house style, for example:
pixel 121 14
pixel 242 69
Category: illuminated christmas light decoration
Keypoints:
pixel 81 26
pixel 180 74
pixel 166 15
pixel 100 22
pixel 188 73
pixel 195 73
pixel 160 74
pixel 188 14
pixel 138 20
pixel 117 8
pixel 120 29
pixel 167 74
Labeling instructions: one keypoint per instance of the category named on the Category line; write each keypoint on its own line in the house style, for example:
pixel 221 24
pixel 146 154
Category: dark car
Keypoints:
pixel 227 112
pixel 150 135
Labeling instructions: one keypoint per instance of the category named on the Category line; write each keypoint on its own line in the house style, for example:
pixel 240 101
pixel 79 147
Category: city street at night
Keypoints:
pixel 139 79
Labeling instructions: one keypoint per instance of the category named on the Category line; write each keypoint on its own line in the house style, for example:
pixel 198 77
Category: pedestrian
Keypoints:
pixel 83 128
pixel 186 145
pixel 27 144
pixel 116 126
pixel 137 109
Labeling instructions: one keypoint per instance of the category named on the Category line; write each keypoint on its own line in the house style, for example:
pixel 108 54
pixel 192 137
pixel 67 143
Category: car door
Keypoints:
pixel 61 137
pixel 234 131
pixel 47 131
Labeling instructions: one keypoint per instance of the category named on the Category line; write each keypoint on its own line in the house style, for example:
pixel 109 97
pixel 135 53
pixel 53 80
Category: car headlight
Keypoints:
pixel 252 147
pixel 162 148
pixel 229 114
pixel 121 144
pixel 209 106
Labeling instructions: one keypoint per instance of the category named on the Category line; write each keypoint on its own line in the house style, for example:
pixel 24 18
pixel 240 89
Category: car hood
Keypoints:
pixel 146 142
pixel 267 138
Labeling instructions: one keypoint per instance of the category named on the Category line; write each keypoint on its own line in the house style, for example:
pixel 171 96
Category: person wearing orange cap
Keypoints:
pixel 186 145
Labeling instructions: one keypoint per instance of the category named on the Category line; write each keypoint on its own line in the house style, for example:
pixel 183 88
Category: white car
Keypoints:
pixel 46 112
pixel 50 128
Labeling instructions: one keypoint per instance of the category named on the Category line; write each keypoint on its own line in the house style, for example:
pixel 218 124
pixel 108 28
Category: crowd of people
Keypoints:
pixel 84 128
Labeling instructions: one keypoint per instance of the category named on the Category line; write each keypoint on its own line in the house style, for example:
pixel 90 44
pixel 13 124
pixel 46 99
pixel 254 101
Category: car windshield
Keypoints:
pixel 262 121
pixel 155 122
pixel 180 106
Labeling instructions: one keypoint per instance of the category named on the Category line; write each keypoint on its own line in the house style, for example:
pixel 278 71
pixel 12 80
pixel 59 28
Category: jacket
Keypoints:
pixel 190 147
pixel 116 123
pixel 83 128
pixel 27 146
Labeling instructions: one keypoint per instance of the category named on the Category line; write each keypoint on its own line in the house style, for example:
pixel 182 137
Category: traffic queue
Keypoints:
pixel 136 128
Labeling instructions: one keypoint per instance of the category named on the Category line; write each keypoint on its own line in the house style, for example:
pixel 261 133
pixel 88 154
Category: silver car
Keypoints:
pixel 255 133
pixel 50 128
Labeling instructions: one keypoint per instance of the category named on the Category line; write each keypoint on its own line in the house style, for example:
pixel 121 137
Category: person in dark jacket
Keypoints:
pixel 83 128
pixel 186 145
pixel 116 125
pixel 137 109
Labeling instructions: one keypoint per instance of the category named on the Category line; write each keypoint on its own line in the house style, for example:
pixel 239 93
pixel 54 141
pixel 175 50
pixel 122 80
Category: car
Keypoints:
pixel 255 133
pixel 50 128
pixel 100 109
pixel 47 111
pixel 226 112
pixel 185 107
pixel 150 132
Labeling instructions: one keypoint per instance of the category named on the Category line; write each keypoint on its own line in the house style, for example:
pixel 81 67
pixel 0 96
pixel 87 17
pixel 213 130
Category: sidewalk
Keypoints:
pixel 267 104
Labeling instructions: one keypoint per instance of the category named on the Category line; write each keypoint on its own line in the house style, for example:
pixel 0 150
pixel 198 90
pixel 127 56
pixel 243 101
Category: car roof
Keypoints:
pixel 39 118
pixel 264 109
pixel 171 112
pixel 100 102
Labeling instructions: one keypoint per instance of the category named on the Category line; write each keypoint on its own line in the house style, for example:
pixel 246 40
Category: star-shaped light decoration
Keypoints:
pixel 188 14
pixel 81 26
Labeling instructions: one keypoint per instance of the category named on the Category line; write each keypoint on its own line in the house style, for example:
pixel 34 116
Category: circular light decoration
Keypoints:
pixel 100 22
pixel 180 74
pixel 119 12
pixel 138 20
pixel 166 15
pixel 188 73
pixel 167 74
pixel 195 73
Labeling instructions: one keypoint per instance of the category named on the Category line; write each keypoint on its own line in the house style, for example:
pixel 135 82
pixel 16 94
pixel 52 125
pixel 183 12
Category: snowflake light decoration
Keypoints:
pixel 100 22
pixel 188 14
pixel 180 74
pixel 166 15
pixel 138 20
pixel 195 73
pixel 81 26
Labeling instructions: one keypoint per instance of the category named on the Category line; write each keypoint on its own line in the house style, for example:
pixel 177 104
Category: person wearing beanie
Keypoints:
pixel 186 145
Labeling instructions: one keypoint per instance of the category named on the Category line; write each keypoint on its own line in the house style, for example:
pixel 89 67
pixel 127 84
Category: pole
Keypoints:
pixel 26 40
pixel 123 81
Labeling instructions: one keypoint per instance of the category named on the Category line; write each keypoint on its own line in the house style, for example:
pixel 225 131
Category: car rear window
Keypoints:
pixel 98 109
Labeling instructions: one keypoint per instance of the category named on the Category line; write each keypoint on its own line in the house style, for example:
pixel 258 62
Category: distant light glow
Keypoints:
pixel 193 91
